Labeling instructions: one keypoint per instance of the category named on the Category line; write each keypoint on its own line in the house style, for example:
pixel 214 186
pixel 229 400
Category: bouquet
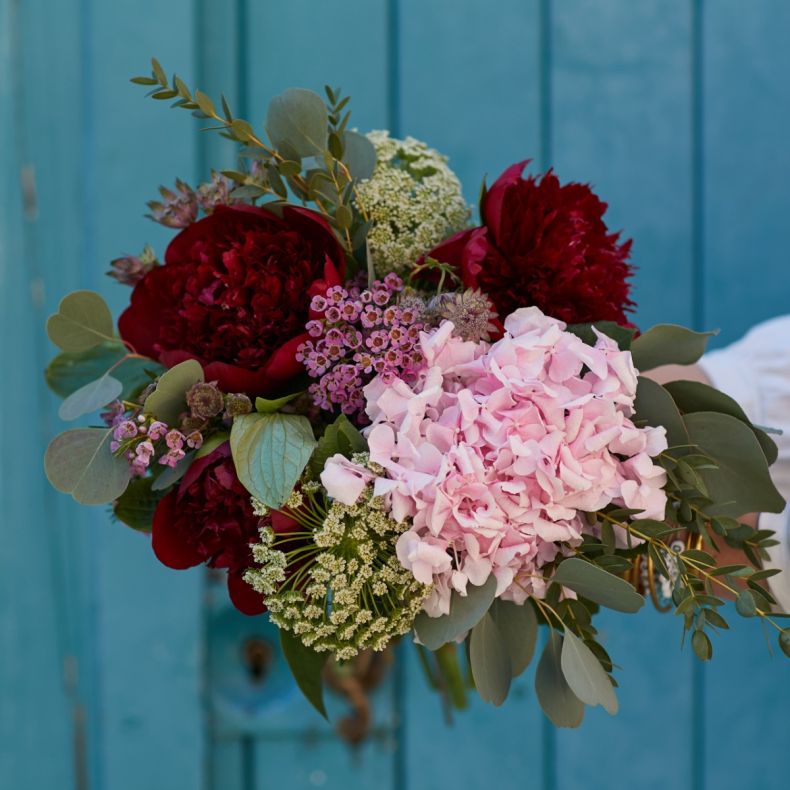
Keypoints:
pixel 382 419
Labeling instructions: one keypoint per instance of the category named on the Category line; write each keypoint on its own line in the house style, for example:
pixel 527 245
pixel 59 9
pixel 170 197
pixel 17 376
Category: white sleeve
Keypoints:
pixel 755 371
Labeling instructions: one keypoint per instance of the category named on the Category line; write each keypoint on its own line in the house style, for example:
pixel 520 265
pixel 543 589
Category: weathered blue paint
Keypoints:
pixel 117 674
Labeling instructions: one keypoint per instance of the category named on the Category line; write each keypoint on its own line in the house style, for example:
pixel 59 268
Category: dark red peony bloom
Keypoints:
pixel 209 519
pixel 234 294
pixel 546 245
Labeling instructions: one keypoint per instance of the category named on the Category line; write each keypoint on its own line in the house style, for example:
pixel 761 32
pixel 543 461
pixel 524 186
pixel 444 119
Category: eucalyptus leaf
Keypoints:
pixel 741 483
pixel 668 344
pixel 585 675
pixel 297 119
pixel 598 585
pixel 466 611
pixel 306 666
pixel 83 321
pixel 745 604
pixel 264 406
pixel 172 474
pixel 359 156
pixel 654 406
pixel 270 452
pixel 518 627
pixel 489 659
pixel 91 397
pixel 559 703
pixel 136 506
pixel 701 646
pixel 69 371
pixel 168 400
pixel 79 462
pixel 694 396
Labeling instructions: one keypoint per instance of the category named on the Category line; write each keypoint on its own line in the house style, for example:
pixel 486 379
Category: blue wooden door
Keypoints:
pixel 118 674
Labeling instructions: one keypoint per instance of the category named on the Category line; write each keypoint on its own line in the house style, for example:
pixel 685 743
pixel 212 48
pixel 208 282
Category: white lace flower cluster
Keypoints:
pixel 344 591
pixel 414 202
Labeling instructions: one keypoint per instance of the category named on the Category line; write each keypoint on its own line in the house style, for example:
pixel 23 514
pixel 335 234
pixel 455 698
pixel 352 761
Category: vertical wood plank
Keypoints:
pixel 470 86
pixel 37 711
pixel 621 77
pixel 149 617
pixel 747 200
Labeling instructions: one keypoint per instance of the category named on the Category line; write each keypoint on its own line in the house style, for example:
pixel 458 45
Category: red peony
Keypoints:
pixel 234 294
pixel 209 519
pixel 546 245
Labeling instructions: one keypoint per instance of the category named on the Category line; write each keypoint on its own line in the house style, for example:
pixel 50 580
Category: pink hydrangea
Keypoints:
pixel 495 452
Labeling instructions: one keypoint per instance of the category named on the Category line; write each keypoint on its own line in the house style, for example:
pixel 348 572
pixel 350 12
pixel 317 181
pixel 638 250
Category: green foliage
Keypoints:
pixel 270 452
pixel 701 644
pixel 654 406
pixel 168 400
pixel 489 659
pixel 465 613
pixel 170 475
pixel 668 344
pixel 622 335
pixel 211 444
pixel 297 122
pixel 359 155
pixel 745 604
pixel 598 585
pixel 339 437
pixel 83 321
pixel 306 666
pixel 741 482
pixel 79 462
pixel 136 506
pixel 585 675
pixel 558 701
pixel 694 396
pixel 69 371
pixel 90 397
pixel 518 627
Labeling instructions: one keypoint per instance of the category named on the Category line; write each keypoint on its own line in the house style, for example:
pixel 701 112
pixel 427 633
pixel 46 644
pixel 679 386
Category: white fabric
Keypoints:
pixel 755 371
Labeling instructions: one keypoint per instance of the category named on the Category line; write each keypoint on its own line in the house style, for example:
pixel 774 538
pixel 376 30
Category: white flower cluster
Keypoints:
pixel 413 200
pixel 345 591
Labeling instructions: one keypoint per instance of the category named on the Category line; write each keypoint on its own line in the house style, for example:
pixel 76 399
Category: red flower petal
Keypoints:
pixel 282 364
pixel 167 541
pixel 243 596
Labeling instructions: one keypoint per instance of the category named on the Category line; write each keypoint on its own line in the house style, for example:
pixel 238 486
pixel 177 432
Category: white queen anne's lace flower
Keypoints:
pixel 413 199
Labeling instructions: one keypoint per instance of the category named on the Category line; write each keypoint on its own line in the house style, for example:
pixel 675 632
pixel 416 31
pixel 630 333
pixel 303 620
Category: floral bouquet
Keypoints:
pixel 383 420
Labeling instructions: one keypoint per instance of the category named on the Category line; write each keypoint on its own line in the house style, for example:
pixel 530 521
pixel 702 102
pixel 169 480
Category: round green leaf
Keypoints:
pixel 83 321
pixel 745 604
pixel 270 452
pixel 359 155
pixel 668 344
pixel 585 675
pixel 172 474
pixel 693 396
pixel 91 397
pixel 598 585
pixel 168 400
pixel 559 703
pixel 741 483
pixel 297 119
pixel 654 406
pixel 69 371
pixel 466 612
pixel 490 661
pixel 518 626
pixel 701 645
pixel 79 462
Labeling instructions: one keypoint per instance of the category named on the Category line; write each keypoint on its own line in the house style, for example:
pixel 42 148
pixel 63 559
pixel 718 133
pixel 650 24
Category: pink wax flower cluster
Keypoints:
pixel 144 439
pixel 360 333
pixel 495 453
